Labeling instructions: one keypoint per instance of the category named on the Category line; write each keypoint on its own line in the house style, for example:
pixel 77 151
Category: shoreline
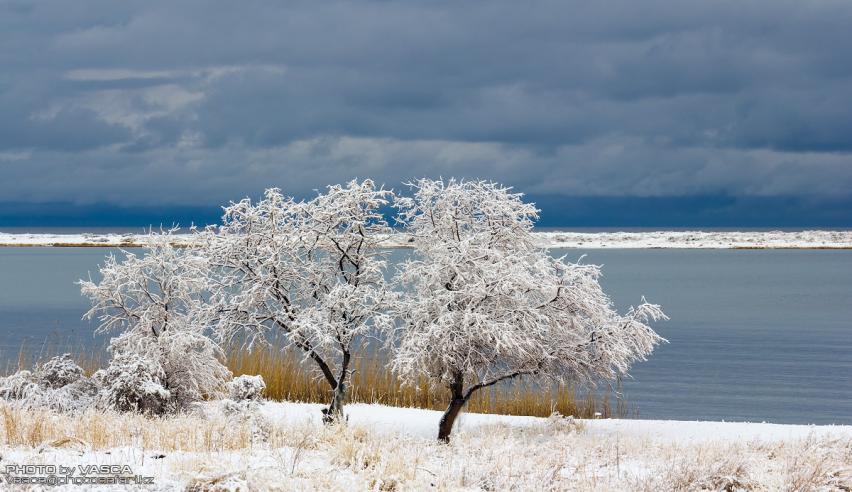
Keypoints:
pixel 815 239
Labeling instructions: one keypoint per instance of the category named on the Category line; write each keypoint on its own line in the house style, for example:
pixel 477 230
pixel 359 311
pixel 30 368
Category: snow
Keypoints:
pixel 424 423
pixel 387 420
pixel 563 239
pixel 85 239
pixel 246 387
pixel 697 431
pixel 697 239
pixel 386 448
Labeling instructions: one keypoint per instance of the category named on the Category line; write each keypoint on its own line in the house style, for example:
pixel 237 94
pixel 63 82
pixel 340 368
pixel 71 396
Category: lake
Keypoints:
pixel 755 335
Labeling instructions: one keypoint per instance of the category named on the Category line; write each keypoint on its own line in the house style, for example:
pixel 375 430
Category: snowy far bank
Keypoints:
pixel 283 446
pixel 551 239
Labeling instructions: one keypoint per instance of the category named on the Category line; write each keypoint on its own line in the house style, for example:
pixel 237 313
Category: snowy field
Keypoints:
pixel 580 240
pixel 283 446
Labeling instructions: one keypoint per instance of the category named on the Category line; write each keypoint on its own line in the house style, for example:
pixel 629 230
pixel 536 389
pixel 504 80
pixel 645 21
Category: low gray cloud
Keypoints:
pixel 192 103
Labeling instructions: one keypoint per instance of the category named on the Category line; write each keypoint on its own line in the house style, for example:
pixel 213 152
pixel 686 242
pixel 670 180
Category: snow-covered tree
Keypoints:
pixel 152 302
pixel 482 304
pixel 305 274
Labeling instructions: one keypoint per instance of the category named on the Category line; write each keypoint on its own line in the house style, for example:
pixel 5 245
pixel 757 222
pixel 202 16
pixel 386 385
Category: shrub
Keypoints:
pixel 59 384
pixel 58 372
pixel 18 386
pixel 246 387
pixel 132 384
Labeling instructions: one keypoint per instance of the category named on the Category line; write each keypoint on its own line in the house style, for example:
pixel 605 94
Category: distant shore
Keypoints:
pixel 816 239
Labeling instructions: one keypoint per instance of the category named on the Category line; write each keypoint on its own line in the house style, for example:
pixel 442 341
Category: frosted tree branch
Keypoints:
pixel 482 304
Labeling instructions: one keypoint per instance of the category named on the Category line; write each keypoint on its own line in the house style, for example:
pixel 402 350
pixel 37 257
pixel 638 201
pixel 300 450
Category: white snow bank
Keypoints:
pixel 692 431
pixel 384 419
pixel 85 239
pixel 424 423
pixel 579 240
pixel 697 239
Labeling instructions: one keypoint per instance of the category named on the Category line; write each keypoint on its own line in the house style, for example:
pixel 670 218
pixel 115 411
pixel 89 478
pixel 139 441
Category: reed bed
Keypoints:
pixel 287 378
pixel 29 355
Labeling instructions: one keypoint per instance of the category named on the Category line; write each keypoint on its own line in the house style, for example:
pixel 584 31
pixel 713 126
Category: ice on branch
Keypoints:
pixel 58 372
pixel 305 273
pixel 246 387
pixel 58 384
pixel 152 304
pixel 134 384
pixel 483 304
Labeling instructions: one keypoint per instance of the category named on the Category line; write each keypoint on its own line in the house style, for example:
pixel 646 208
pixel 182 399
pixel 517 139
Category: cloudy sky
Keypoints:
pixel 606 113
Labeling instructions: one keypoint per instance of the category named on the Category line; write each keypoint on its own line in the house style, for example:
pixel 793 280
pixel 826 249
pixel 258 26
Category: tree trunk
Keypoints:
pixel 449 418
pixel 445 427
pixel 334 412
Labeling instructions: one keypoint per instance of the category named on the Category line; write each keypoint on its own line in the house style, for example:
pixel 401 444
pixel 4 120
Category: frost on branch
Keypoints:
pixel 58 384
pixel 308 274
pixel 482 304
pixel 18 386
pixel 58 372
pixel 134 384
pixel 153 304
pixel 246 387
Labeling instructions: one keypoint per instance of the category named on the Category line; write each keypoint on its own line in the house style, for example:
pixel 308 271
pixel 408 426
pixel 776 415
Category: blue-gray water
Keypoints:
pixel 758 335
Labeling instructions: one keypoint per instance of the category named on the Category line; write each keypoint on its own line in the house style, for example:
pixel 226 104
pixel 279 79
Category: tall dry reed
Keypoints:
pixel 288 378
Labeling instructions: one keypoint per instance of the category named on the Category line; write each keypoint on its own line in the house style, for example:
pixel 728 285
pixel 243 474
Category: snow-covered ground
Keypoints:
pixel 582 240
pixel 424 423
pixel 283 446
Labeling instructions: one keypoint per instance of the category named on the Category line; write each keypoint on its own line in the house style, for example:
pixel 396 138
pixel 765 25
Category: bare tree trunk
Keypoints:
pixel 334 412
pixel 449 418
pixel 445 427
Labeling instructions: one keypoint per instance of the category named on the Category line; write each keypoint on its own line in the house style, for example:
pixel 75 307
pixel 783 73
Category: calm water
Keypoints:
pixel 754 335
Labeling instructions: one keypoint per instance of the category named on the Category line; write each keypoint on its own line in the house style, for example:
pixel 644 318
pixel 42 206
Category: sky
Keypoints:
pixel 605 113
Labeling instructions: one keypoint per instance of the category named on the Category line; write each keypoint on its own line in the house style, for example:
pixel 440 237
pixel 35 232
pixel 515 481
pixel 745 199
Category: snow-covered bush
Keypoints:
pixel 482 304
pixel 58 372
pixel 18 386
pixel 246 387
pixel 59 384
pixel 75 397
pixel 309 273
pixel 134 384
pixel 154 303
pixel 561 423
pixel 246 414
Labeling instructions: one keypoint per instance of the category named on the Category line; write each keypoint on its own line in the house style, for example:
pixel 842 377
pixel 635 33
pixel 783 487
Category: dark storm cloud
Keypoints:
pixel 196 103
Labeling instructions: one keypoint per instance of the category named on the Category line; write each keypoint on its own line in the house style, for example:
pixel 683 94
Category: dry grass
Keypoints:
pixel 105 430
pixel 287 378
pixel 221 452
pixel 31 354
